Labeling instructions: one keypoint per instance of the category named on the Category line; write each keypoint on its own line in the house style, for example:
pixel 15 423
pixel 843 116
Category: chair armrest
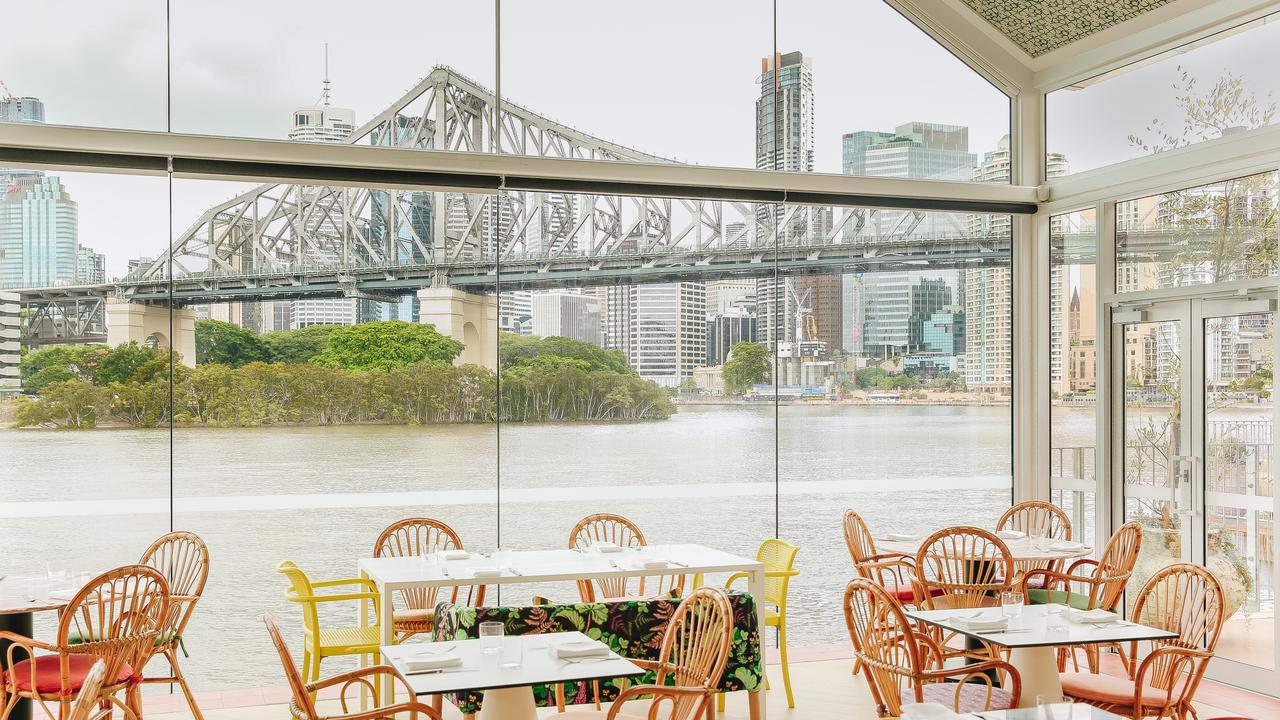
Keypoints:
pixel 881 557
pixel 1172 668
pixel 654 665
pixel 1071 570
pixel 416 710
pixel 964 673
pixel 767 573
pixel 734 578
pixel 22 642
pixel 331 598
pixel 675 694
pixel 365 582
pixel 360 677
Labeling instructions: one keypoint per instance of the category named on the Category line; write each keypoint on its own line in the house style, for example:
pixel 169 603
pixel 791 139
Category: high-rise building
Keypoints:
pixel 943 332
pixel 515 312
pixel 826 309
pixel 324 311
pixel 784 141
pixel 91 267
pixel 19 110
pixel 39 230
pixel 667 333
pixel 726 329
pixel 10 345
pixel 567 314
pixel 725 295
pixel 928 296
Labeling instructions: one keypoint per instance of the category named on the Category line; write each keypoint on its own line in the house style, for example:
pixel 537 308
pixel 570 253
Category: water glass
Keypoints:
pixel 1011 603
pixel 1037 539
pixel 1055 618
pixel 490 637
pixel 512 655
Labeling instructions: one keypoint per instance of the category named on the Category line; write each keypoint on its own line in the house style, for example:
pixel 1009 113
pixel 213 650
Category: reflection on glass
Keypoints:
pixel 1201 235
pixel 1217 87
pixel 1239 481
pixel 1157 479
pixel 1072 378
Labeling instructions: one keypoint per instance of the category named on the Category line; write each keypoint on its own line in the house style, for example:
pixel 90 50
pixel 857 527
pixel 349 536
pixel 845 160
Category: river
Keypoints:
pixel 89 500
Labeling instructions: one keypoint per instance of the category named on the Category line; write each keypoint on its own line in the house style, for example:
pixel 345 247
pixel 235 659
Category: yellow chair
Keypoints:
pixel 779 560
pixel 321 643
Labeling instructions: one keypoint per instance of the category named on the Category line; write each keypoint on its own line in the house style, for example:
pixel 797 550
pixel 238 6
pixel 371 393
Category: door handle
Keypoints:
pixel 1184 494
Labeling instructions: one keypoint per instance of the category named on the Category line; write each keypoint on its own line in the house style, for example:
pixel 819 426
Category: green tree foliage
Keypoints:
pixel 516 350
pixel 298 346
pixel 748 364
pixel 60 363
pixel 120 363
pixel 74 403
pixel 386 345
pixel 228 344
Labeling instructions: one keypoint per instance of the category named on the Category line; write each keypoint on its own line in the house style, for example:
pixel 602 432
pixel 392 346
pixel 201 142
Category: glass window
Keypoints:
pixel 1218 86
pixel 893 374
pixel 922 113
pixel 1201 235
pixel 1073 373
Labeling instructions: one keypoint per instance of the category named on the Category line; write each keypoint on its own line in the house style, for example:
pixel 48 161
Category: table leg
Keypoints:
pixel 755 586
pixel 512 703
pixel 21 624
pixel 387 627
pixel 1038 668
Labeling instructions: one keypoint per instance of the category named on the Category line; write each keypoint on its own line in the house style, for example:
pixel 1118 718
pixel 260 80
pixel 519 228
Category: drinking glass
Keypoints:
pixel 1055 617
pixel 512 655
pixel 1037 539
pixel 490 637
pixel 1011 603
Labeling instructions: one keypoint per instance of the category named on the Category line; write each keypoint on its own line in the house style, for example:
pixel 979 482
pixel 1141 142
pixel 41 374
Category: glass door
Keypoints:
pixel 1198 413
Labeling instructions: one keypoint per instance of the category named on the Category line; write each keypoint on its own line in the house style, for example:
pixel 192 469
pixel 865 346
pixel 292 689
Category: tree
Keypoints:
pixel 228 344
pixel 385 345
pixel 747 365
pixel 298 346
pixel 59 363
pixel 121 362
pixel 515 350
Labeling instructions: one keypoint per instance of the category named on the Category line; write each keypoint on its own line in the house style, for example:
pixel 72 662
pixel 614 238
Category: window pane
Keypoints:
pixel 87 63
pixel 692 101
pixel 1073 378
pixel 893 379
pixel 322 409
pixel 612 392
pixel 321 74
pixel 924 114
pixel 1201 235
pixel 1199 92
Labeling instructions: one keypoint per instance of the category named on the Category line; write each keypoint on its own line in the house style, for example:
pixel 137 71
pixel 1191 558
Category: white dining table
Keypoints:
pixel 1033 646
pixel 508 694
pixel 1021 550
pixel 393 574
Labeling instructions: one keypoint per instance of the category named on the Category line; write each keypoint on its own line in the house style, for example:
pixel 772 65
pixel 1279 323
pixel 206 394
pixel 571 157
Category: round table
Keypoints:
pixel 16 616
pixel 1020 550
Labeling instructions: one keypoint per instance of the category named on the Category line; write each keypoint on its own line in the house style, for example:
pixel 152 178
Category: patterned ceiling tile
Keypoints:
pixel 1041 26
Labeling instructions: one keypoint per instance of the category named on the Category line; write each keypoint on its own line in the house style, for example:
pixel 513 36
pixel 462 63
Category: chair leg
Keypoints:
pixel 182 683
pixel 437 703
pixel 755 703
pixel 720 702
pixel 786 668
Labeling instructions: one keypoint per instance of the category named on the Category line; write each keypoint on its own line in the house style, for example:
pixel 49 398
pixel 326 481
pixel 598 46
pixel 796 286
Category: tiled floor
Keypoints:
pixel 823 689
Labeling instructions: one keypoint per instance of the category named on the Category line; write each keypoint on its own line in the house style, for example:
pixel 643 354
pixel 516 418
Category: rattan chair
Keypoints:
pixel 183 559
pixel 115 619
pixel 607 527
pixel 365 680
pixel 959 568
pixel 1036 517
pixel 695 649
pixel 415 537
pixel 903 665
pixel 891 571
pixel 1090 584
pixel 1184 599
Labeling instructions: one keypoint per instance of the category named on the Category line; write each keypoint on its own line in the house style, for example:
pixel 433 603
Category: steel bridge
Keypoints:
pixel 285 241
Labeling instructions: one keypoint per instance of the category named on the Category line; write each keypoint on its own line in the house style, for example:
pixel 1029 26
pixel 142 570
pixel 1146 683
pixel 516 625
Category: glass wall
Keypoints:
pixel 1073 372
pixel 1221 85
pixel 1198 236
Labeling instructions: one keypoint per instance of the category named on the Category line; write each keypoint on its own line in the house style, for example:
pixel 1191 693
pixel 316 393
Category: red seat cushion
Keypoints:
pixel 49 673
pixel 904 593
pixel 1110 689
pixel 972 696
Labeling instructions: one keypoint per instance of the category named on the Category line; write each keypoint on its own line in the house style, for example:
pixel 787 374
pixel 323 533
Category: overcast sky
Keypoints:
pixel 676 79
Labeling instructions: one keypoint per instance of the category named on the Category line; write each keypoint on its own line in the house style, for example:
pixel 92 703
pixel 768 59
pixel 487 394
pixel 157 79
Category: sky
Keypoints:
pixel 677 79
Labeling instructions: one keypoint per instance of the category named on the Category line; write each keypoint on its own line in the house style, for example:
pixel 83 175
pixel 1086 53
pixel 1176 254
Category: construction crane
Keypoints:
pixel 806 323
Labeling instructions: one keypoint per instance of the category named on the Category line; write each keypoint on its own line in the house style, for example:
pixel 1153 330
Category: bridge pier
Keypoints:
pixel 466 317
pixel 149 325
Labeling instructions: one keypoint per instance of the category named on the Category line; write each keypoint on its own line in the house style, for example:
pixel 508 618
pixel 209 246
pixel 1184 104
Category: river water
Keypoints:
pixel 90 500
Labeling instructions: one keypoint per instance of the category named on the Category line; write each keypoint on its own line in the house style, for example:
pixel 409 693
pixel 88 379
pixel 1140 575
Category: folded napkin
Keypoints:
pixel 901 537
pixel 456 554
pixel 652 564
pixel 63 594
pixel 438 661
pixel 1010 534
pixel 484 572
pixel 1065 546
pixel 607 547
pixel 1095 617
pixel 929 711
pixel 581 648
pixel 981 624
